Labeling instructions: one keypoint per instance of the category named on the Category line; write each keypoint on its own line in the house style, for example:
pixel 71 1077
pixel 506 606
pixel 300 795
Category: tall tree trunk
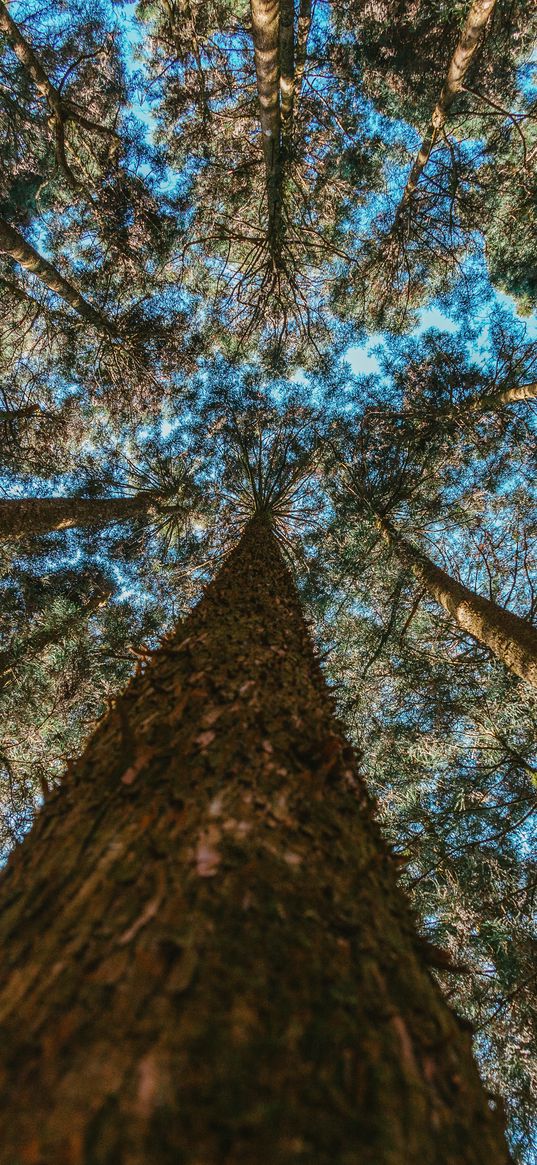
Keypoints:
pixel 470 407
pixel 37 641
pixel 303 31
pixel 207 958
pixel 470 41
pixel 24 517
pixel 63 110
pixel 21 413
pixel 489 401
pixel 287 71
pixel 511 639
pixel 266 37
pixel 14 244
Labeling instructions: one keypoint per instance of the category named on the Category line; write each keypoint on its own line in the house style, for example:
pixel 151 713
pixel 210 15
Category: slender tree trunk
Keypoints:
pixel 24 517
pixel 483 402
pixel 266 37
pixel 21 414
pixel 511 639
pixel 490 401
pixel 14 244
pixel 63 110
pixel 303 31
pixel 469 43
pixel 207 959
pixel 287 71
pixel 35 643
pixel 30 60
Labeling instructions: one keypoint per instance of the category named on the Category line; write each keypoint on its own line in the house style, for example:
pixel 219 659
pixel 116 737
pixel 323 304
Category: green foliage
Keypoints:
pixel 222 390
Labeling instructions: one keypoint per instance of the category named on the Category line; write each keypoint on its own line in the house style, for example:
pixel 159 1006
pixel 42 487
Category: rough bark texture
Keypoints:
pixel 465 52
pixel 511 639
pixel 266 37
pixel 14 244
pixel 207 960
pixel 24 517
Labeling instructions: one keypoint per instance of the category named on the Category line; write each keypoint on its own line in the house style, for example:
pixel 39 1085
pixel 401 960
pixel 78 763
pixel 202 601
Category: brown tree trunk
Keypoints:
pixel 266 37
pixel 511 639
pixel 14 244
pixel 207 960
pixel 489 401
pixel 470 41
pixel 25 517
pixel 287 71
pixel 303 31
pixel 63 110
pixel 21 414
pixel 29 59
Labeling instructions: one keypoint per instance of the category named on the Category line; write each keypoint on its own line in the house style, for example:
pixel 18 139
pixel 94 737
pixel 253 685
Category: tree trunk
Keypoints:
pixel 303 31
pixel 470 41
pixel 14 244
pixel 25 517
pixel 287 71
pixel 266 37
pixel 63 110
pixel 511 639
pixel 28 58
pixel 37 641
pixel 7 416
pixel 207 959
pixel 489 401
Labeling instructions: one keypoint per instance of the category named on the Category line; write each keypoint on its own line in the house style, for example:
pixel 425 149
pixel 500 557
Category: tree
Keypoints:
pixel 134 184
pixel 337 958
pixel 15 245
pixel 479 15
pixel 163 493
pixel 26 517
pixel 62 108
pixel 512 639
pixel 270 225
pixel 424 234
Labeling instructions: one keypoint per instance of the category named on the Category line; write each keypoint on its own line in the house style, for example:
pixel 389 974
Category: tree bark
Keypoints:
pixel 266 37
pixel 287 71
pixel 14 244
pixel 470 407
pixel 303 31
pixel 25 517
pixel 63 110
pixel 207 958
pixel 489 401
pixel 40 638
pixel 469 43
pixel 21 414
pixel 511 639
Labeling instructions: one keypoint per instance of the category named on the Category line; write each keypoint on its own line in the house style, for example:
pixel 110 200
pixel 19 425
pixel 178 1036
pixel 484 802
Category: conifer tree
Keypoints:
pixel 326 1033
pixel 206 209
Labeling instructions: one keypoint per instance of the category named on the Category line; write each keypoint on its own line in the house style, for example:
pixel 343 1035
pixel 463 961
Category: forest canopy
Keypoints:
pixel 281 258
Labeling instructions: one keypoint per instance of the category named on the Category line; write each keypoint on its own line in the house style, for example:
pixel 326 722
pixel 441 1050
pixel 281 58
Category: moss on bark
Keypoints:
pixel 207 960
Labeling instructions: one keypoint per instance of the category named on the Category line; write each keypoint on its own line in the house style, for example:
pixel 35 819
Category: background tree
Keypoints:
pixel 226 359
